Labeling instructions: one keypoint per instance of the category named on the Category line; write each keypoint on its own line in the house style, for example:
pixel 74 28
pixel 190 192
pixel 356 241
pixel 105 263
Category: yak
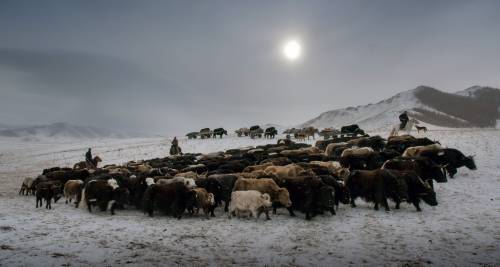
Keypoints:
pixel 417 189
pixel 375 186
pixel 451 158
pixel 171 199
pixel 219 132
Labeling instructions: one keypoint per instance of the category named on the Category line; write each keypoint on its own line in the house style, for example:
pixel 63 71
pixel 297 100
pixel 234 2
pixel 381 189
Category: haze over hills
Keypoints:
pixel 476 106
pixel 66 130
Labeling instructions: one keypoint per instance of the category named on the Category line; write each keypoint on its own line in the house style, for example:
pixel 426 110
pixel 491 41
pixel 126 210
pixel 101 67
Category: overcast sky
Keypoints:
pixel 176 66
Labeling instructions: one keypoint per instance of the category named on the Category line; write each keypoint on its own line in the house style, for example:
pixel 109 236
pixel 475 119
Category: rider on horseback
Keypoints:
pixel 404 119
pixel 175 149
pixel 89 159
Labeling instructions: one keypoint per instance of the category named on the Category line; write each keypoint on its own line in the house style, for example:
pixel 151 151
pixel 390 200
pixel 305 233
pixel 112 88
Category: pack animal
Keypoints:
pixel 47 191
pixel 72 190
pixel 106 194
pixel 310 195
pixel 27 187
pixel 417 189
pixel 251 202
pixel 375 186
pixel 451 159
pixel 171 199
pixel 202 200
pixel 265 185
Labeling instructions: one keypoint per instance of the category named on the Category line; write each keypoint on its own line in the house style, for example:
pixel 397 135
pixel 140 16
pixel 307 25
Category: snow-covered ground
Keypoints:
pixel 463 230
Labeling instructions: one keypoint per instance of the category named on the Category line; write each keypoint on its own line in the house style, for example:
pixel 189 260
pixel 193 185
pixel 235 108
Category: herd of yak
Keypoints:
pixel 298 133
pixel 254 132
pixel 250 181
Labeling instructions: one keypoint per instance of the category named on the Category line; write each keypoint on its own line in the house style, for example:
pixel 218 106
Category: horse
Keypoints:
pixel 175 150
pixel 87 165
pixel 407 129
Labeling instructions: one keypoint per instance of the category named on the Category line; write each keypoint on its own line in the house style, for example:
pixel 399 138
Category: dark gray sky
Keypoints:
pixel 175 66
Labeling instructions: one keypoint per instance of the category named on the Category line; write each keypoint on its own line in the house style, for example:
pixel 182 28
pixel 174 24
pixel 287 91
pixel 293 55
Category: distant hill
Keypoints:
pixel 65 130
pixel 476 106
pixel 4 126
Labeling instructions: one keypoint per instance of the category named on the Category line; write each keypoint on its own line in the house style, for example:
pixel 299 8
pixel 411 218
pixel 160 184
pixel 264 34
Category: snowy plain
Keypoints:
pixel 463 230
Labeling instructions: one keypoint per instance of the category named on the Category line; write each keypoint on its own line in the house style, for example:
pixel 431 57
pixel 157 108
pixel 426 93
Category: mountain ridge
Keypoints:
pixel 476 106
pixel 66 130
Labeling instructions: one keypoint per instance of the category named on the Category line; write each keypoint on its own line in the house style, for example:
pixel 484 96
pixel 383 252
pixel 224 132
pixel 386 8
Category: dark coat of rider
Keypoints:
pixel 88 155
pixel 175 142
pixel 404 119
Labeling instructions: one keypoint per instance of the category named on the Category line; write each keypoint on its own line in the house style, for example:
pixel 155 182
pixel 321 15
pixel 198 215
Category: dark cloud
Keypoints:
pixel 179 65
pixel 77 74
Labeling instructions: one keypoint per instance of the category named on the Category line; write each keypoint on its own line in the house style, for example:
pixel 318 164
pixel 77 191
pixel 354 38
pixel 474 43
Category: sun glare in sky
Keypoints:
pixel 292 50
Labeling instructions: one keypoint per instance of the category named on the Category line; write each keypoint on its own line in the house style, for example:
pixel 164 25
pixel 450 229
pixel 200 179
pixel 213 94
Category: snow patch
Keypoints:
pixel 460 231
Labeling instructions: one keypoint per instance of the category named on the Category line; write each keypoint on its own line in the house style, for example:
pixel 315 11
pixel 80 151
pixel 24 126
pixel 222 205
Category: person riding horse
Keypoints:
pixel 404 120
pixel 89 159
pixel 175 149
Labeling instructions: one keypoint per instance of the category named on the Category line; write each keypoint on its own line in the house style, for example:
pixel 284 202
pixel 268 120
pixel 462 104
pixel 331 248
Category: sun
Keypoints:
pixel 292 50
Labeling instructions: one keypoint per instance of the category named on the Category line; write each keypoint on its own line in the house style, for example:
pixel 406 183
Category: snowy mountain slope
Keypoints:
pixel 64 130
pixel 479 91
pixel 472 107
pixel 471 91
pixel 491 94
pixel 371 116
